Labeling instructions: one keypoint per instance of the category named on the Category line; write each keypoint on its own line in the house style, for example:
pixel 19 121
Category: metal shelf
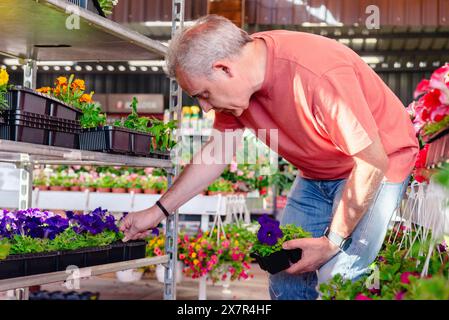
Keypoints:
pixel 45 278
pixel 39 154
pixel 37 30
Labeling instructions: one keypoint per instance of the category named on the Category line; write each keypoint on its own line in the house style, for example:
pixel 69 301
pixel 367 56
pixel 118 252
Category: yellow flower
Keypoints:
pixel 195 262
pixel 197 247
pixel 193 255
pixel 61 81
pixel 44 90
pixel 4 77
pixel 86 98
pixel 160 242
pixel 236 242
pixel 78 84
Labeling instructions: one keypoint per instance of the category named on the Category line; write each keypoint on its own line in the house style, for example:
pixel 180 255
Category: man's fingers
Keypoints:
pixel 296 268
pixel 292 244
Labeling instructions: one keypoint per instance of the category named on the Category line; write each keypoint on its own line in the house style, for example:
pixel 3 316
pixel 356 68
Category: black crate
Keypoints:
pixel 24 99
pixel 24 132
pixel 58 138
pixel 135 249
pixel 97 256
pixel 38 263
pixel 12 267
pixel 141 143
pixel 107 139
pixel 63 111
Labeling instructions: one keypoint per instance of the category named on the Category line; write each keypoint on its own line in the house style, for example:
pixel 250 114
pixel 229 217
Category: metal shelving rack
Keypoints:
pixel 56 30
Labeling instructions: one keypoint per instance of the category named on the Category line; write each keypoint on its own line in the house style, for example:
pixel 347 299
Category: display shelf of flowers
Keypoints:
pixel 430 115
pixel 35 241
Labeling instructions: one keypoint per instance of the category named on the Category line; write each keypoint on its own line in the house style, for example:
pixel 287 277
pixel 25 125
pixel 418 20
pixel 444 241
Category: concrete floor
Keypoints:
pixel 150 289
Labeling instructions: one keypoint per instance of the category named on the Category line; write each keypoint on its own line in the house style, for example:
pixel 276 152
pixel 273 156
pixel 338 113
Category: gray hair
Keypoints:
pixel 195 49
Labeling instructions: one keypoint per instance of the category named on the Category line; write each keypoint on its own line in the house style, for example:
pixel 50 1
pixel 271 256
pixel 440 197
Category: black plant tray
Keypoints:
pixel 141 143
pixel 161 154
pixel 64 139
pixel 277 261
pixel 97 256
pixel 72 258
pixel 24 99
pixel 24 132
pixel 107 139
pixel 117 252
pixel 28 264
pixel 135 249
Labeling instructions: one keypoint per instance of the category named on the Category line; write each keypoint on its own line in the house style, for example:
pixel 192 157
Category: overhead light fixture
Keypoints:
pixel 99 68
pixel 78 68
pixel 46 68
pixel 132 68
pixel 397 65
pixel 154 69
pixel 18 62
pixel 371 40
pixel 89 68
pixel 344 41
pixel 436 63
pixel 67 68
pixel 110 68
pixel 144 68
pixel 410 64
pixel 147 63
pixel 56 68
pixel 13 67
pixel 384 65
pixel 122 68
pixel 372 59
pixel 357 41
pixel 423 64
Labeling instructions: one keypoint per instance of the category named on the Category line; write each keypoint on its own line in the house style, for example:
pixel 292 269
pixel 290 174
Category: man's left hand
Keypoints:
pixel 315 253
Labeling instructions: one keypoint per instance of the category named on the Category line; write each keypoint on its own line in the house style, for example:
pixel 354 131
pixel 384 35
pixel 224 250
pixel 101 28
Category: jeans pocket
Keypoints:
pixel 275 288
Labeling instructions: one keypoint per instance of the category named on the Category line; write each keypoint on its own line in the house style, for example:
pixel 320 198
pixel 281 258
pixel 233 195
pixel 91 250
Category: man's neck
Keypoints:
pixel 255 63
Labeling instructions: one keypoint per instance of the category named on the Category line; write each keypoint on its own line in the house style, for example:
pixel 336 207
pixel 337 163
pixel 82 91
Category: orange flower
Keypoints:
pixel 44 90
pixel 59 90
pixel 86 98
pixel 61 81
pixel 78 84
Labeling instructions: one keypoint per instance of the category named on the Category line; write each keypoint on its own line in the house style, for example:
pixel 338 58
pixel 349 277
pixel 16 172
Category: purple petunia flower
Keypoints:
pixel 269 234
pixel 155 231
pixel 95 222
pixel 266 220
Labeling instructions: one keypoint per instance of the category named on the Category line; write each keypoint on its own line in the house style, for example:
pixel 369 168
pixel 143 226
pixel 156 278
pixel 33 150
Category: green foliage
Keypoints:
pixel 92 116
pixel 105 181
pixel 107 6
pixel 5 247
pixel 133 121
pixel 162 133
pixel 290 232
pixel 220 185
pixel 432 128
pixel 67 240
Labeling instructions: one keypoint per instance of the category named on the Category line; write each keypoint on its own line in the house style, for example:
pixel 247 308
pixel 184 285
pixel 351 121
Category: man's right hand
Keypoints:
pixel 136 225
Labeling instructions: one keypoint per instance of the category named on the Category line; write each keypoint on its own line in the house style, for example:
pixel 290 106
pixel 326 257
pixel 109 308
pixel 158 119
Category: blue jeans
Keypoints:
pixel 311 205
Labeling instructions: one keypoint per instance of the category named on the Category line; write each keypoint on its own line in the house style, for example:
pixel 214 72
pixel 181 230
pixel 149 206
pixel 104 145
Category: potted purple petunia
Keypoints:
pixel 267 249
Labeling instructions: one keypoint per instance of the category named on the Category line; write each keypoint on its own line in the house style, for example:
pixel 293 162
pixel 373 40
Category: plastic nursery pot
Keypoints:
pixel 135 249
pixel 38 263
pixel 150 191
pixel 135 190
pixel 72 258
pixel 278 261
pixel 91 189
pixel 41 188
pixel 103 189
pixel 141 143
pixel 58 188
pixel 75 188
pixel 117 252
pixel 118 190
pixel 97 256
pixel 20 98
pixel 13 266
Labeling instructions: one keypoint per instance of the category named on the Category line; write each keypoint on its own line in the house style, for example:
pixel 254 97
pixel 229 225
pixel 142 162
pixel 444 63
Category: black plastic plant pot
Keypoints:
pixel 20 98
pixel 141 143
pixel 97 256
pixel 117 252
pixel 12 267
pixel 41 263
pixel 277 261
pixel 72 258
pixel 161 154
pixel 107 139
pixel 135 249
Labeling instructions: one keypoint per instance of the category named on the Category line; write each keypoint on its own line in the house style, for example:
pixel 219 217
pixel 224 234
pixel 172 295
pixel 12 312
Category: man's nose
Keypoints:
pixel 206 106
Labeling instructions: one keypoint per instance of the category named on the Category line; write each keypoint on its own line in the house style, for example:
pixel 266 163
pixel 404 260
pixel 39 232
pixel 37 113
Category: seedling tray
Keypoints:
pixel 20 265
pixel 24 99
pixel 72 258
pixel 278 261
pixel 97 256
pixel 107 139
pixel 141 143
pixel 117 252
pixel 135 250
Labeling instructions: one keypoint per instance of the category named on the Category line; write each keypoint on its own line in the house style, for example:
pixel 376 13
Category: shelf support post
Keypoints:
pixel 175 105
pixel 30 74
pixel 25 181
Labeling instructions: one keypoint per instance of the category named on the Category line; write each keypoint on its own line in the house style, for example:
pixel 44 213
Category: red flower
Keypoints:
pixel 182 256
pixel 405 277
pixel 422 157
pixel 431 100
pixel 400 295
pixel 421 88
pixel 361 296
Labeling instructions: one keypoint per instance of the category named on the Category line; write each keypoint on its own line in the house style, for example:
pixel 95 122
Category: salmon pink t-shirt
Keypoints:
pixel 327 105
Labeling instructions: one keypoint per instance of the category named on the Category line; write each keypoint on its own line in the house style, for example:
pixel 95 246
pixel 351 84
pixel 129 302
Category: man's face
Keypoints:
pixel 223 91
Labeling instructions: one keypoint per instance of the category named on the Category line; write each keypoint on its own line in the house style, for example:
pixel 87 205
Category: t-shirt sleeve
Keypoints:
pixel 342 111
pixel 225 121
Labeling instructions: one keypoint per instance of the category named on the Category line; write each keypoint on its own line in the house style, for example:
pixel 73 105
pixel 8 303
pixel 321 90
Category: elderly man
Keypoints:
pixel 338 123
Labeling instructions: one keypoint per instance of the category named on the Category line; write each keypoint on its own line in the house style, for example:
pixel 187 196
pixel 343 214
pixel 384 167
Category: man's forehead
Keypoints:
pixel 189 84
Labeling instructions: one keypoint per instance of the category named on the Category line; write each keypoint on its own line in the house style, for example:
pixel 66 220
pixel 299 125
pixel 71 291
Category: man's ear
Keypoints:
pixel 223 66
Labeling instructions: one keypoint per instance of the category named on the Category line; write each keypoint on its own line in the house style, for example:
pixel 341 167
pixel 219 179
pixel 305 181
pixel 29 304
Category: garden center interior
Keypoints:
pixel 92 129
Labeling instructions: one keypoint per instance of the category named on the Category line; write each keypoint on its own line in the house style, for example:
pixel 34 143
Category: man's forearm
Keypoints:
pixel 357 196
